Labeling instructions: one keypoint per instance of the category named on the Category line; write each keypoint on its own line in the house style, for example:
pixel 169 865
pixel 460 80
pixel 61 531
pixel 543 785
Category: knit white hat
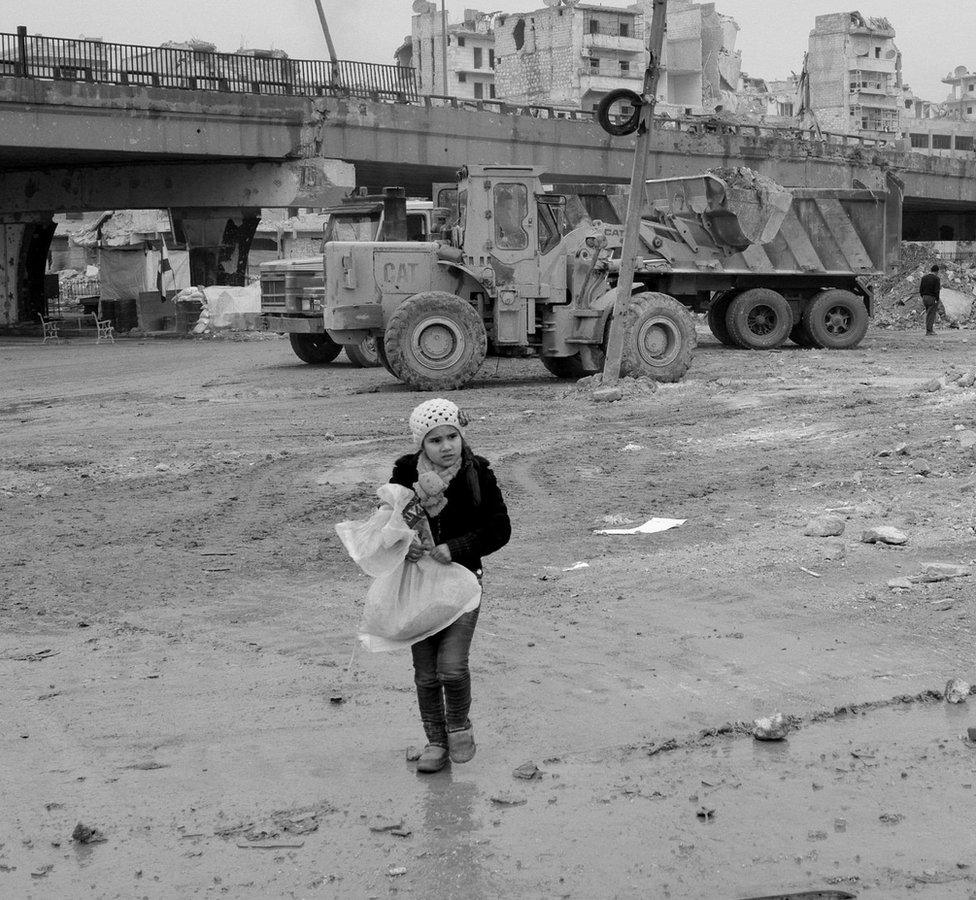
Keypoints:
pixel 432 413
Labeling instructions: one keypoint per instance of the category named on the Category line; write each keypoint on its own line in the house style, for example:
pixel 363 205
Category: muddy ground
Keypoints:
pixel 177 612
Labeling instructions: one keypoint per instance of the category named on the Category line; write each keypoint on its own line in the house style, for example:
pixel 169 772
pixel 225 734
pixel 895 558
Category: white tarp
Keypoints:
pixel 228 307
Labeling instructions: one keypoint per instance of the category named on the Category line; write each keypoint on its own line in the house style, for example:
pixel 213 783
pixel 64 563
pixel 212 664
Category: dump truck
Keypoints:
pixel 519 275
pixel 292 290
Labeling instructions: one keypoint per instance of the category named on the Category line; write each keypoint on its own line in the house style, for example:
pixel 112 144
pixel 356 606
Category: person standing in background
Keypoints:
pixel 929 288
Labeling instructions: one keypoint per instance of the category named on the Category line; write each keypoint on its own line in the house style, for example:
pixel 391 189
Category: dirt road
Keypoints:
pixel 177 612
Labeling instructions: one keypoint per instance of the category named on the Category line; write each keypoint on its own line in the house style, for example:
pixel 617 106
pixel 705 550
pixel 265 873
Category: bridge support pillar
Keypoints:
pixel 24 249
pixel 219 241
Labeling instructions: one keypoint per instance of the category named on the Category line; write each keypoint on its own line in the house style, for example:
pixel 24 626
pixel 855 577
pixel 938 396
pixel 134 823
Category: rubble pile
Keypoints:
pixel 897 303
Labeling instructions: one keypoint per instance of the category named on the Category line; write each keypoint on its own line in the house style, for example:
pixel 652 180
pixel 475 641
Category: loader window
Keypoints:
pixel 416 228
pixel 549 232
pixel 352 228
pixel 511 210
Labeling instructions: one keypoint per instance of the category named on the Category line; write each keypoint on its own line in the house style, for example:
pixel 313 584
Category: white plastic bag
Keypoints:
pixel 407 601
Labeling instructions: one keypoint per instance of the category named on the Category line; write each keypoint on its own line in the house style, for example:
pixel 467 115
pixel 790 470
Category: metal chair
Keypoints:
pixel 106 330
pixel 50 330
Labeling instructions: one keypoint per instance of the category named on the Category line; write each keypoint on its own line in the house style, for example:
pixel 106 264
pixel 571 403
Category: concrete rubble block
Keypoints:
pixel 771 728
pixel 967 380
pixel 932 386
pixel 967 439
pixel 957 691
pixel 607 395
pixel 824 526
pixel 883 534
pixel 900 584
pixel 937 571
pixel 834 550
pixel 921 467
pixel 958 305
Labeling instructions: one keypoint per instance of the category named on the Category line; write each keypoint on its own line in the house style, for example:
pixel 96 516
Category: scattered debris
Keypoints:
pixel 810 572
pixel 528 772
pixel 396 871
pixel 413 753
pixel 632 448
pixel 149 766
pixel 37 656
pixel 943 605
pixel 506 799
pixel 41 871
pixel 772 728
pixel 270 845
pixel 382 823
pixel 825 526
pixel 957 691
pixel 85 834
pixel 891 818
pixel 651 526
pixel 577 566
pixel 884 534
pixel 943 572
pixel 706 813
pixel 971 733
pixel 663 747
pixel 900 584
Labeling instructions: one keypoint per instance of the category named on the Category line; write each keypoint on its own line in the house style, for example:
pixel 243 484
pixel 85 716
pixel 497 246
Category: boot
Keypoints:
pixel 461 744
pixel 433 759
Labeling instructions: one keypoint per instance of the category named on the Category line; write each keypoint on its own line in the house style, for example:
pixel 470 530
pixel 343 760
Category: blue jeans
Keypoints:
pixel 440 671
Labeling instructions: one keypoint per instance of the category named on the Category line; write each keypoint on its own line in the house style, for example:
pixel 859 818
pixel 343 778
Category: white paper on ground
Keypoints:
pixel 651 526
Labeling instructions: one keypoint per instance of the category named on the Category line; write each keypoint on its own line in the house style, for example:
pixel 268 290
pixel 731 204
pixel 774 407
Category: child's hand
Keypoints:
pixel 441 554
pixel 416 551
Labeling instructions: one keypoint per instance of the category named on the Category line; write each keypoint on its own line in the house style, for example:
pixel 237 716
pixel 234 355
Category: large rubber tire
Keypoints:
pixel 836 319
pixel 364 355
pixel 314 349
pixel 381 355
pixel 801 337
pixel 759 319
pixel 629 126
pixel 717 318
pixel 435 341
pixel 565 366
pixel 659 338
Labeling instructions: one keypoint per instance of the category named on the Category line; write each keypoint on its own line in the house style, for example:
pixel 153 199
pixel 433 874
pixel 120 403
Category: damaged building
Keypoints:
pixel 855 75
pixel 470 53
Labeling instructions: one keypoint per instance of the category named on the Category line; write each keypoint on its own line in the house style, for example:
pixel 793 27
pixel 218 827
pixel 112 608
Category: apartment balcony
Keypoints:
pixel 596 81
pixel 878 99
pixel 613 43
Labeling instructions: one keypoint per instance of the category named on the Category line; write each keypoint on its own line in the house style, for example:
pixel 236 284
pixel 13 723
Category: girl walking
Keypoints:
pixel 468 520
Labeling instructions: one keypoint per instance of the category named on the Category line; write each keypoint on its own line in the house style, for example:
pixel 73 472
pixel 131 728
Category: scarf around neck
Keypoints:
pixel 432 482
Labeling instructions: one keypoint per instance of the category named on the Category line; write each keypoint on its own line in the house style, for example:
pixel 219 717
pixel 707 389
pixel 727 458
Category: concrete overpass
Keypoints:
pixel 77 145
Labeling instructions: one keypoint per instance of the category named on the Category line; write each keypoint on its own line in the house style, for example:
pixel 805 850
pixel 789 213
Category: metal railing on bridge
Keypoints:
pixel 189 68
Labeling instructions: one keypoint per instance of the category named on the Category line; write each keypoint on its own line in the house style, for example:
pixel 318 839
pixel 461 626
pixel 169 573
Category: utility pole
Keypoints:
pixel 325 31
pixel 444 46
pixel 628 259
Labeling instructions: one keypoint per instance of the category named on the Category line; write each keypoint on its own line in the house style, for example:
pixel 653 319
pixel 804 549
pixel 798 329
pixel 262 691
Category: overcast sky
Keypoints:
pixel 934 36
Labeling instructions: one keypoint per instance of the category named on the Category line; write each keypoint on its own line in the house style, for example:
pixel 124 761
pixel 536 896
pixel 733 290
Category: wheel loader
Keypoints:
pixel 520 273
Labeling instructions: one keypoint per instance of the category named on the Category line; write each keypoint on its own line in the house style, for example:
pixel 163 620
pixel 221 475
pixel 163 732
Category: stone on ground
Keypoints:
pixel 884 534
pixel 825 526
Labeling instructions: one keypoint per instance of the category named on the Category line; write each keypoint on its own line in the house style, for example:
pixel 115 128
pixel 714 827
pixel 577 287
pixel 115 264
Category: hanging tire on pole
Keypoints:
pixel 659 338
pixel 435 341
pixel 836 319
pixel 759 319
pixel 629 125
pixel 314 349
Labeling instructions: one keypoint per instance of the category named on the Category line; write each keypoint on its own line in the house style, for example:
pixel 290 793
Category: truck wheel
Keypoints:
pixel 565 366
pixel 836 319
pixel 363 355
pixel 659 338
pixel 717 313
pixel 759 319
pixel 801 337
pixel 314 349
pixel 435 341
pixel 381 355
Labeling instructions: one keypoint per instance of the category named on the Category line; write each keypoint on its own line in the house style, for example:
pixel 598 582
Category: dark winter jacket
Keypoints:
pixel 930 286
pixel 475 521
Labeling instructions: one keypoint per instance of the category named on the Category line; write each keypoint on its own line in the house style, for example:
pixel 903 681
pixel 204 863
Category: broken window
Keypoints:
pixel 624 29
pixel 970 87
pixel 941 141
pixel 624 66
pixel 594 26
pixel 919 141
pixel 877 53
pixel 479 91
pixel 491 90
pixel 518 34
pixel 460 41
pixel 462 77
pixel 491 59
pixel 548 228
pixel 964 142
pixel 594 64
pixel 511 209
